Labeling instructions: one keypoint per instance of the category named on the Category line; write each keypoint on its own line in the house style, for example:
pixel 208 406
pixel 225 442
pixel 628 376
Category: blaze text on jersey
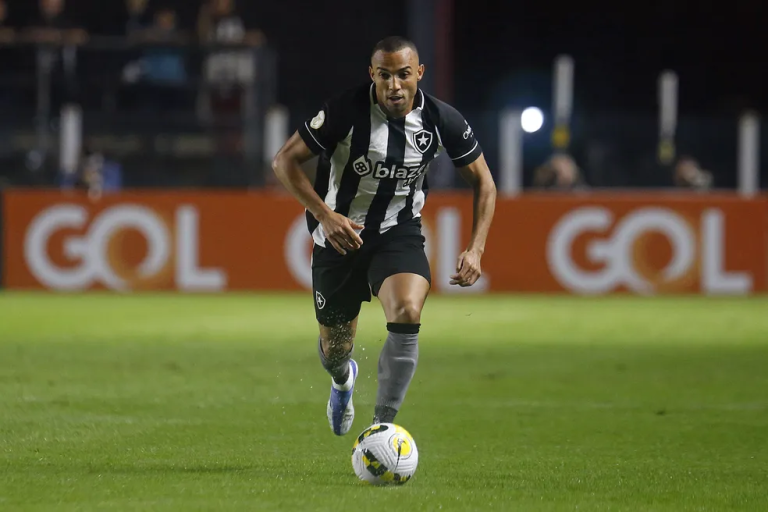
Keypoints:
pixel 363 167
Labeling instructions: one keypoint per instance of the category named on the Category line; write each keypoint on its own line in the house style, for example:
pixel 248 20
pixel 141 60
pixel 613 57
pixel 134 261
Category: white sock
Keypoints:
pixel 347 385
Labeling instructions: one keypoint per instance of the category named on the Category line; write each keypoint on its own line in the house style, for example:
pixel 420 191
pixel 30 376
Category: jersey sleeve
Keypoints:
pixel 458 138
pixel 327 127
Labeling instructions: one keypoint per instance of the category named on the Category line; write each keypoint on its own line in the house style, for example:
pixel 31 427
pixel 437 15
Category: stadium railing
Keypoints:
pixel 198 128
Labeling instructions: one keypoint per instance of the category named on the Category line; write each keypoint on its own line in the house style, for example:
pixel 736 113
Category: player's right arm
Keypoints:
pixel 339 230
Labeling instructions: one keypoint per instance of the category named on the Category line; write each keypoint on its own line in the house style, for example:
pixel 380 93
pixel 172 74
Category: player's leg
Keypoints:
pixel 402 296
pixel 338 296
pixel 400 278
pixel 335 346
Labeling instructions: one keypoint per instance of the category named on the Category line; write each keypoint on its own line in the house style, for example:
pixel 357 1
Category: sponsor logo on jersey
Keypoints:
pixel 408 174
pixel 468 132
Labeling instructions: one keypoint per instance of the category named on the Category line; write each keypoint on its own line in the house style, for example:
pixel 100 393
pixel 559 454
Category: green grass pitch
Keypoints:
pixel 166 402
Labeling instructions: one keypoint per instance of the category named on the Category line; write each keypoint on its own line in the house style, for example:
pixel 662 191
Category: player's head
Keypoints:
pixel 396 71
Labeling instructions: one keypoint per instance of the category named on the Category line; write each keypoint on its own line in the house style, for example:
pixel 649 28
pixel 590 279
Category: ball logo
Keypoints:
pixel 402 445
pixel 622 259
pixel 97 253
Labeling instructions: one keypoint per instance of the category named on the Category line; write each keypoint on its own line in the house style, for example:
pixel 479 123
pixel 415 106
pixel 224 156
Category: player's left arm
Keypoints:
pixel 459 140
pixel 478 175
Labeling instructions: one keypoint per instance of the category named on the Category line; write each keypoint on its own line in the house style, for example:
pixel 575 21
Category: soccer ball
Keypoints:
pixel 385 454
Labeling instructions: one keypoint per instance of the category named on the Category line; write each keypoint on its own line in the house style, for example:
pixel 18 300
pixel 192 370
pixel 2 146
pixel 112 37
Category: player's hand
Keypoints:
pixel 340 231
pixel 468 269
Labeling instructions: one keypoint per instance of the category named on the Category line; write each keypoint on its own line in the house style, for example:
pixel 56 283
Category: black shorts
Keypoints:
pixel 340 283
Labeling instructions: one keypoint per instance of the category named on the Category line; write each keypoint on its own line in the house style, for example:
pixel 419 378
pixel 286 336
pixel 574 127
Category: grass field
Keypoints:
pixel 519 403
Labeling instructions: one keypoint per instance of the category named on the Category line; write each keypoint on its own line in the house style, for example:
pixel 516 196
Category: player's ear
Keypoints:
pixel 420 72
pixel 370 72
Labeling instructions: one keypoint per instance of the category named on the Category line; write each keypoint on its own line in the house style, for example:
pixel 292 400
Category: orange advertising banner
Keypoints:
pixel 598 243
pixel 641 243
pixel 149 240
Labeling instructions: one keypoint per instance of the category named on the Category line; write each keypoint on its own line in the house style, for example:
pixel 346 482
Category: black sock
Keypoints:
pixel 384 414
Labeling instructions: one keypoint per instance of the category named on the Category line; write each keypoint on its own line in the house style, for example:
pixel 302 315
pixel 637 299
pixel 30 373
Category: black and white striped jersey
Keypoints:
pixel 371 167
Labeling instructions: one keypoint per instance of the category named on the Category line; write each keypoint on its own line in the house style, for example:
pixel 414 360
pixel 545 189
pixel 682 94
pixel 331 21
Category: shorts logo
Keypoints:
pixel 423 140
pixel 320 300
pixel 318 120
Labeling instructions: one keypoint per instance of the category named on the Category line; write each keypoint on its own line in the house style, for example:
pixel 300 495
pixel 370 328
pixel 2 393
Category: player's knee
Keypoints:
pixel 338 340
pixel 407 312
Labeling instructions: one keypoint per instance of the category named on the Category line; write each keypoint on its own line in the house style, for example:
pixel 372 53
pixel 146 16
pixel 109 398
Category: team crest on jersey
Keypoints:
pixel 318 120
pixel 423 140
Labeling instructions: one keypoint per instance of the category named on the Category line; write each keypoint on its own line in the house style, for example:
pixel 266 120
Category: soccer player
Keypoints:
pixel 374 143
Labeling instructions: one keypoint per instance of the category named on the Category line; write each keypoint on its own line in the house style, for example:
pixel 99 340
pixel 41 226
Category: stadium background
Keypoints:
pixel 135 171
pixel 130 105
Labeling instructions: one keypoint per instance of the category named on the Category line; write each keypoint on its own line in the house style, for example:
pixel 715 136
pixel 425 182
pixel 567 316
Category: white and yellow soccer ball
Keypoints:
pixel 385 454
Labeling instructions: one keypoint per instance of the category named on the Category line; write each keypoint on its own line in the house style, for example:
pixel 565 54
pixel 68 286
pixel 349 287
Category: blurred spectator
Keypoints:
pixel 159 74
pixel 164 64
pixel 101 175
pixel 138 18
pixel 53 26
pixel 96 173
pixel 688 173
pixel 218 21
pixel 227 71
pixel 559 172
pixel 57 37
pixel 225 100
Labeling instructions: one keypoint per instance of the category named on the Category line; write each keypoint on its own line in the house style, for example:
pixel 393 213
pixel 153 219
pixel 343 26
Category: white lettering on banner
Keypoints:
pixel 91 249
pixel 716 280
pixel 189 275
pixel 297 255
pixel 615 253
pixel 298 243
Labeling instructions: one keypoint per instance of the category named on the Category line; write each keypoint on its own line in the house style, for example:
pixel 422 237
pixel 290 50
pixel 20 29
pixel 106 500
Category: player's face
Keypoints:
pixel 396 76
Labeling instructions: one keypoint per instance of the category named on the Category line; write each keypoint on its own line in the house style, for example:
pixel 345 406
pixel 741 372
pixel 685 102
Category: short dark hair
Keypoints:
pixel 393 44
